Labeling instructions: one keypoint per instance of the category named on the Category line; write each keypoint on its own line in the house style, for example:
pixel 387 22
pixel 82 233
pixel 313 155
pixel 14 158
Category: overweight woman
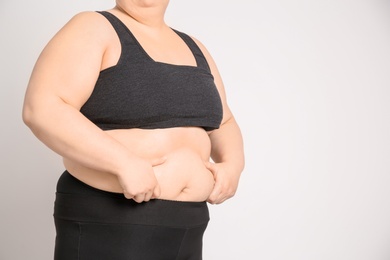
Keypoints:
pixel 138 112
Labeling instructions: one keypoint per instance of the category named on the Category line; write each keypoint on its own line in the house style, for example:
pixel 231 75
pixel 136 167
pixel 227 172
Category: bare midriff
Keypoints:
pixel 183 151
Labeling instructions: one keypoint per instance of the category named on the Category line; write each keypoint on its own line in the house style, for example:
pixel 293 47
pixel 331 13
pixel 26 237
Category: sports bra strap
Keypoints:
pixel 127 38
pixel 200 58
pixel 122 31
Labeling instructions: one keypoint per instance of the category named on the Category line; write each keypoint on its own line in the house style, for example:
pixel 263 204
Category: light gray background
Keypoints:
pixel 309 84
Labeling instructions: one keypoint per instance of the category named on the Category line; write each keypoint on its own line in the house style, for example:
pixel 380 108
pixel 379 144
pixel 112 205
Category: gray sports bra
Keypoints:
pixel 139 92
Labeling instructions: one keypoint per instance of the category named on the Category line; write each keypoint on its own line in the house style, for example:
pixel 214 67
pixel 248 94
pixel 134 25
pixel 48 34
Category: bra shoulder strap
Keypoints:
pixel 200 58
pixel 120 28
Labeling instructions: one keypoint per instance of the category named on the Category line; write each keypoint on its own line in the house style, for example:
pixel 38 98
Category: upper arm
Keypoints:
pixel 69 65
pixel 227 114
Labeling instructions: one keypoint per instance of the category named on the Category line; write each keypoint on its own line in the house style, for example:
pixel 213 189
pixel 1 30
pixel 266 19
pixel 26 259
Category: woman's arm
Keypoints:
pixel 61 82
pixel 227 149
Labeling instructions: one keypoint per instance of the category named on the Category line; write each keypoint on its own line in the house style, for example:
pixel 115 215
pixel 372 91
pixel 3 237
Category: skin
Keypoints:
pixel 171 163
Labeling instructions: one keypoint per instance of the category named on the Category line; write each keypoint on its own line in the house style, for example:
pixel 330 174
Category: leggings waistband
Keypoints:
pixel 78 201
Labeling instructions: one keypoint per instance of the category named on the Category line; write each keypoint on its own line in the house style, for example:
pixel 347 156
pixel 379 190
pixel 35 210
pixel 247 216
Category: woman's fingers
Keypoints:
pixel 212 168
pixel 152 194
pixel 139 198
pixel 225 184
pixel 218 195
pixel 141 187
pixel 156 192
pixel 148 196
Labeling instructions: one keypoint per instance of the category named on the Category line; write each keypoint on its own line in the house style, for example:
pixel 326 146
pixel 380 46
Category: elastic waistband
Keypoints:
pixel 69 184
pixel 78 201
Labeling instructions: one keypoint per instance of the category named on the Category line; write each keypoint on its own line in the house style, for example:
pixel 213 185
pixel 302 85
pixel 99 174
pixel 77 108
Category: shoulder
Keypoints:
pixel 85 29
pixel 88 19
pixel 88 22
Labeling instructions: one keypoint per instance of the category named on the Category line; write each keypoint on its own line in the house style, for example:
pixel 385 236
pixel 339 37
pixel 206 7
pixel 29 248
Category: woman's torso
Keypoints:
pixel 182 175
pixel 183 150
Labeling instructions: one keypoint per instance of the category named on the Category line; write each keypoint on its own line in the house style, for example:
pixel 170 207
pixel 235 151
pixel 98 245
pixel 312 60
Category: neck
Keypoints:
pixel 146 12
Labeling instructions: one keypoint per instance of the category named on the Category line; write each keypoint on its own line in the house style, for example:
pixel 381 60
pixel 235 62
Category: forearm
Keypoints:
pixel 227 146
pixel 67 132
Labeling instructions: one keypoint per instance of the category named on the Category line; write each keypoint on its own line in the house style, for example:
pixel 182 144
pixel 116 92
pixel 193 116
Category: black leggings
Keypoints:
pixel 92 224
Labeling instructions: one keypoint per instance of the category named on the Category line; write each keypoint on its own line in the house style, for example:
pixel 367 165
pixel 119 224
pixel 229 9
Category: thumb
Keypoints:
pixel 211 167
